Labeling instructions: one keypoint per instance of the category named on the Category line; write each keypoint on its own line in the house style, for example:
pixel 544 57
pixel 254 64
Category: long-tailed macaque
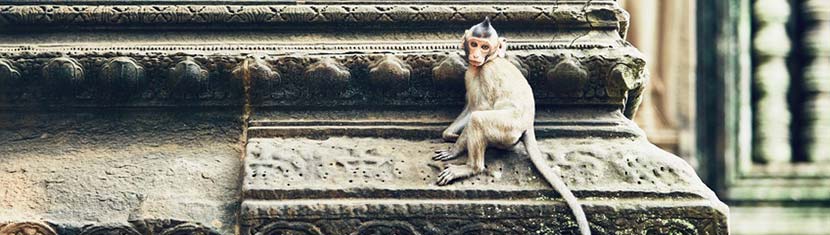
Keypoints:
pixel 499 112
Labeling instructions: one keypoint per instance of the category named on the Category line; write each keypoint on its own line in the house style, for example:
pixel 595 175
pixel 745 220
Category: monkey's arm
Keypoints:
pixel 452 132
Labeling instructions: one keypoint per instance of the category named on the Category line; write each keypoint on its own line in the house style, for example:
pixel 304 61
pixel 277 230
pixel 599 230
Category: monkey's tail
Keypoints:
pixel 550 174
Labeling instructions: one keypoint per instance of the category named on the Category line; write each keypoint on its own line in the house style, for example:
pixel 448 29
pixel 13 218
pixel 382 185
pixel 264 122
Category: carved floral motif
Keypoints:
pixel 121 76
pixel 449 73
pixel 110 229
pixel 386 227
pixel 259 74
pixel 27 228
pixel 9 75
pixel 428 78
pixel 189 229
pixel 328 76
pixel 188 79
pixel 64 76
pixel 567 77
pixel 603 14
pixel 389 74
pixel 288 228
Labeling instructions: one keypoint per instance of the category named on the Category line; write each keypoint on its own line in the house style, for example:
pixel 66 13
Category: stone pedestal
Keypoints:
pixel 344 181
pixel 329 112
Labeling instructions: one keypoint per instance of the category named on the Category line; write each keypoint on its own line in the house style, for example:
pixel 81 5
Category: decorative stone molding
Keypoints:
pixel 121 76
pixel 9 75
pixel 26 228
pixel 598 14
pixel 259 74
pixel 389 74
pixel 327 76
pixel 625 80
pixel 64 76
pixel 189 229
pixel 386 227
pixel 107 229
pixel 817 79
pixel 449 73
pixel 287 228
pixel 188 79
pixel 568 76
pixel 139 227
pixel 163 78
pixel 772 81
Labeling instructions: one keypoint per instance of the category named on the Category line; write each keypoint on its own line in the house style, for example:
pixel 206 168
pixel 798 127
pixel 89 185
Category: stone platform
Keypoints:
pixel 343 181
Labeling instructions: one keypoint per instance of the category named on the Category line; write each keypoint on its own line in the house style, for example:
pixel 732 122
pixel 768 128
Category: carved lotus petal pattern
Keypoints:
pixel 261 76
pixel 567 77
pixel 9 75
pixel 189 229
pixel 328 76
pixel 64 75
pixel 450 72
pixel 386 227
pixel 289 228
pixel 123 74
pixel 390 74
pixel 27 228
pixel 298 13
pixel 258 70
pixel 188 78
pixel 112 229
pixel 63 69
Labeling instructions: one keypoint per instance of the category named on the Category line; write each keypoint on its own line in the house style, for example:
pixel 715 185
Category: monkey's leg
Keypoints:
pixel 497 127
pixel 452 132
pixel 453 152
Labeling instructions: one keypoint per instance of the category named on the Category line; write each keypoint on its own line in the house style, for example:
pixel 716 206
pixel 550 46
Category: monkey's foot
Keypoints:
pixel 444 155
pixel 453 172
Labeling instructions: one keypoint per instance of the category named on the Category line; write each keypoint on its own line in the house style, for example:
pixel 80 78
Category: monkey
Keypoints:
pixel 499 112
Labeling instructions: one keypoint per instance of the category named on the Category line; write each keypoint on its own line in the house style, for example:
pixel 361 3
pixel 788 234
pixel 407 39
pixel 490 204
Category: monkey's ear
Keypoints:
pixel 502 52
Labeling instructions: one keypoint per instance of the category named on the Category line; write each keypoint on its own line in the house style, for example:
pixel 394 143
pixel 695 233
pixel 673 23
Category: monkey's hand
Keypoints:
pixel 444 155
pixel 449 136
pixel 453 172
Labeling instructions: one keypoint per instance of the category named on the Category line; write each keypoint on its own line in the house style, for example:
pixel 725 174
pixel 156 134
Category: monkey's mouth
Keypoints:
pixel 476 63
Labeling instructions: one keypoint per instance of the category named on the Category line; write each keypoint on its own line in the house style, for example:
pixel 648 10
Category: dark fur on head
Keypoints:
pixel 483 29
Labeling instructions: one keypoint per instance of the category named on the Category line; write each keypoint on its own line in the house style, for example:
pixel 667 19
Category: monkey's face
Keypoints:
pixel 480 49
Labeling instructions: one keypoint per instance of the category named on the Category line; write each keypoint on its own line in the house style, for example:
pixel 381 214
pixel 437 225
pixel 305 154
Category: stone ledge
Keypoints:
pixel 337 183
pixel 425 216
pixel 378 14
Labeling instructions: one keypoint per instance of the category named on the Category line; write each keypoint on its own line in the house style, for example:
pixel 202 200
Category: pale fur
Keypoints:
pixel 499 112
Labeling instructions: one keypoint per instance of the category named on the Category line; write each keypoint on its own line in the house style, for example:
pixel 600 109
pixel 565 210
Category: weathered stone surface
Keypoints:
pixel 138 124
pixel 82 168
pixel 343 181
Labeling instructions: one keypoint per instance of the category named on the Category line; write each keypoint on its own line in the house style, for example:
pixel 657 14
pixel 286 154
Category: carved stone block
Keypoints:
pixel 348 183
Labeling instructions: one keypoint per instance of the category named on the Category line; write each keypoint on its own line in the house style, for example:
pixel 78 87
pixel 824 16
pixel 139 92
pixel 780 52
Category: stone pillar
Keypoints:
pixel 817 79
pixel 772 82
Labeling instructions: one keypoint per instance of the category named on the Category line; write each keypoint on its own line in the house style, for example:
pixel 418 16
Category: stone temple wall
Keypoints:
pixel 319 117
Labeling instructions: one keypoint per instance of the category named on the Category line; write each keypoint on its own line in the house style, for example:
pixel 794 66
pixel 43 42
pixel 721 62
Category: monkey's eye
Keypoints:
pixel 473 44
pixel 485 47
